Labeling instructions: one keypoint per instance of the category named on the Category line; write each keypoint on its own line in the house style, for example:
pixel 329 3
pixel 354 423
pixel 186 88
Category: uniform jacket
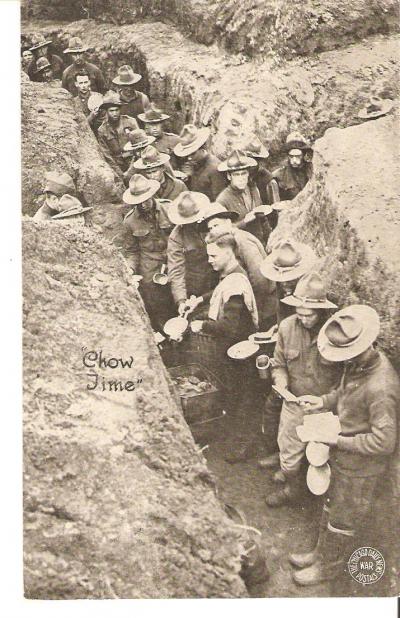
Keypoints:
pixel 95 121
pixel 137 105
pixel 250 254
pixel 367 402
pixel 146 250
pixel 188 268
pixel 113 139
pixel 170 188
pixel 233 199
pixel 206 178
pixel 96 77
pixel 166 144
pixel 298 363
pixel 291 181
pixel 57 66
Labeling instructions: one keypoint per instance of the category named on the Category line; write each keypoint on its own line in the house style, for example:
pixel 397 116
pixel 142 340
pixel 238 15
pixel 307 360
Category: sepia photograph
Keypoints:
pixel 210 299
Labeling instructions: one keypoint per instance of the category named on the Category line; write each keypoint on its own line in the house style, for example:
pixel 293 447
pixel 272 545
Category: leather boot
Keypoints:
pixel 306 559
pixel 332 554
pixel 287 494
pixel 272 461
pixel 279 477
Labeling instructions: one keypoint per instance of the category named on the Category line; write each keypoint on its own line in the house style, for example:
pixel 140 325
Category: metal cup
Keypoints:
pixel 263 363
pixel 161 278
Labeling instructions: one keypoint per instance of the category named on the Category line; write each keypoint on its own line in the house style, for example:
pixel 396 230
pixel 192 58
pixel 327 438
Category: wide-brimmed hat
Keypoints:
pixel 348 333
pixel 38 41
pixel 216 210
pixel 296 141
pixel 76 46
pixel 310 293
pixel 191 139
pixel 188 207
pixel 151 158
pixel 376 107
pixel 42 64
pixel 153 114
pixel 59 184
pixel 256 149
pixel 140 189
pixel 111 99
pixel 236 161
pixel 70 206
pixel 288 261
pixel 126 76
pixel 138 139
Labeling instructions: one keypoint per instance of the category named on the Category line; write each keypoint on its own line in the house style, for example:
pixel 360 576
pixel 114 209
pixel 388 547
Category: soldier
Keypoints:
pixel 198 165
pixel 287 262
pixel 71 211
pixel 153 164
pixel 114 133
pixel 292 177
pixel 133 101
pixel 44 72
pixel 56 185
pixel 26 58
pixel 261 175
pixel 188 267
pixel 242 197
pixel 40 49
pixel 250 254
pixel 77 50
pixel 299 367
pixel 153 120
pixel 148 227
pixel 138 141
pixel 85 99
pixel 366 402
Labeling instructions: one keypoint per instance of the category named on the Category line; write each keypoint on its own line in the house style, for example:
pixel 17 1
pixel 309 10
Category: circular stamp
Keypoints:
pixel 366 565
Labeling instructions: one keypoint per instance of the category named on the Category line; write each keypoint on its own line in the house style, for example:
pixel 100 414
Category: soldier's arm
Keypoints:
pixel 279 372
pixel 229 324
pixel 176 268
pixel 64 79
pixel 330 400
pixel 381 440
pixel 131 250
pixel 217 185
pixel 108 156
pixel 273 192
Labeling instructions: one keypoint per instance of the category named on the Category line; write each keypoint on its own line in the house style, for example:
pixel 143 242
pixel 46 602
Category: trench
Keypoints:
pixel 285 529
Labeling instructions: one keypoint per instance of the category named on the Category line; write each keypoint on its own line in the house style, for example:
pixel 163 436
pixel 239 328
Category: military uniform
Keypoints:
pixel 57 67
pixel 188 268
pixel 291 180
pixel 206 178
pixel 112 140
pixel 136 105
pixel 146 252
pixel 95 121
pixel 170 188
pixel 166 143
pixel 244 202
pixel 95 75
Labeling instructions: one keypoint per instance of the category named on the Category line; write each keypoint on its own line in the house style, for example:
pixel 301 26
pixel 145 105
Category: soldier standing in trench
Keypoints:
pixel 40 49
pixel 133 101
pixel 153 120
pixel 293 176
pixel 94 117
pixel 56 185
pixel 261 176
pixel 77 50
pixel 153 164
pixel 197 164
pixel 367 403
pixel 148 227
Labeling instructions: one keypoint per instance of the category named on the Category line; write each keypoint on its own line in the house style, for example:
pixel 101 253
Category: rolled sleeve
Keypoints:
pixel 176 267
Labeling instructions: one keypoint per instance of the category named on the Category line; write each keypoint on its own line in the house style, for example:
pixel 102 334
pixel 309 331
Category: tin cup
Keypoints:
pixel 262 363
pixel 161 278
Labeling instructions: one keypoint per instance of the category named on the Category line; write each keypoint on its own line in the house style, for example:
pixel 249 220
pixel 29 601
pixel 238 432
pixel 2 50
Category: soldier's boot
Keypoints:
pixel 287 494
pixel 332 554
pixel 272 461
pixel 306 559
pixel 279 477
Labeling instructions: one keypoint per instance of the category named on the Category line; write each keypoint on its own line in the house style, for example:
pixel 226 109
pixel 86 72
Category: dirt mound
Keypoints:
pixel 118 500
pixel 350 214
pixel 252 27
pixel 56 136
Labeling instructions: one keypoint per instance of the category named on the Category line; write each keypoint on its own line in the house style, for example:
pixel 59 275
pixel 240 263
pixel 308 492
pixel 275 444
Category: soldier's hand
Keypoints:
pixel 196 326
pixel 311 403
pixel 182 307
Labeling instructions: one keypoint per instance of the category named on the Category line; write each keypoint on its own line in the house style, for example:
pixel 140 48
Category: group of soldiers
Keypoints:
pixel 206 224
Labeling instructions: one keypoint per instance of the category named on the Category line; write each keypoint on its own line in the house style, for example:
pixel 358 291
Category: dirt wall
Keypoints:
pixel 350 214
pixel 118 501
pixel 252 27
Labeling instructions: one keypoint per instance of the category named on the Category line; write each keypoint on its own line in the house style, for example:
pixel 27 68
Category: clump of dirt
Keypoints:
pixel 56 137
pixel 349 212
pixel 252 27
pixel 118 500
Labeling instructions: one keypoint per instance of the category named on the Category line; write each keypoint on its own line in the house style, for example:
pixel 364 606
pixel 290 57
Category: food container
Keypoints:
pixel 161 278
pixel 263 363
pixel 198 407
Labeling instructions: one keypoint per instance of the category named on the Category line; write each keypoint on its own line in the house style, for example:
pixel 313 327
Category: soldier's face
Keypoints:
pixel 126 92
pixel 41 52
pixel 239 179
pixel 82 83
pixel 52 201
pixel 296 158
pixel 114 113
pixel 218 257
pixel 288 287
pixel 154 129
pixel 78 58
pixel 47 75
pixel 223 225
pixel 308 317
pixel 27 57
pixel 157 173
pixel 146 206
